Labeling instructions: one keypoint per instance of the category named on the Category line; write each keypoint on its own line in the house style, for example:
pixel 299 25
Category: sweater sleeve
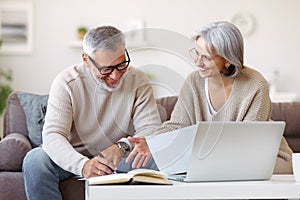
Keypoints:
pixel 57 127
pixel 183 113
pixel 260 106
pixel 145 112
pixel 284 159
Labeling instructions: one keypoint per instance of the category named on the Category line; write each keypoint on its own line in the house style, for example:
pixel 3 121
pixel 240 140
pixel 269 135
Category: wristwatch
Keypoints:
pixel 125 146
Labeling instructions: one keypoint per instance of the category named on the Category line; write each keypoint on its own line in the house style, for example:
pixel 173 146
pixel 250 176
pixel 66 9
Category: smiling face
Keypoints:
pixel 209 65
pixel 111 59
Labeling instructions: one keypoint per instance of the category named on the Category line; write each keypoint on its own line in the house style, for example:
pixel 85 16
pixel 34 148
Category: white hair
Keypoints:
pixel 224 39
pixel 103 38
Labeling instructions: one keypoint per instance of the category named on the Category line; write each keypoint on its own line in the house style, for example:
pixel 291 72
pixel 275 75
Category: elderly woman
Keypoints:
pixel 223 89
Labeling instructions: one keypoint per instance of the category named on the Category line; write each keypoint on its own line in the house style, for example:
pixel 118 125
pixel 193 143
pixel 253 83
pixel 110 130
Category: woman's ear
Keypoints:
pixel 84 57
pixel 227 64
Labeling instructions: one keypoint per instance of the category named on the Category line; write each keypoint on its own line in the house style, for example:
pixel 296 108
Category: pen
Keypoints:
pixel 102 156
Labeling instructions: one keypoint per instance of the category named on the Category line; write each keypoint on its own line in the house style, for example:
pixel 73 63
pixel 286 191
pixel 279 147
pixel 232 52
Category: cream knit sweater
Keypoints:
pixel 83 119
pixel 248 101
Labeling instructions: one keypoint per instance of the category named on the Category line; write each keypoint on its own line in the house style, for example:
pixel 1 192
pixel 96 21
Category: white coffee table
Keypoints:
pixel 278 187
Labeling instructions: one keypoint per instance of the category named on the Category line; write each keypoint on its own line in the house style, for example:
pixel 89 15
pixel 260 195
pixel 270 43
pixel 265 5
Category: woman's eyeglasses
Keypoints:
pixel 196 55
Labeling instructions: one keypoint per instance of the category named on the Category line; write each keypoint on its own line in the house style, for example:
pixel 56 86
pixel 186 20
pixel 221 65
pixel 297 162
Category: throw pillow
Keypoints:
pixel 13 149
pixel 34 107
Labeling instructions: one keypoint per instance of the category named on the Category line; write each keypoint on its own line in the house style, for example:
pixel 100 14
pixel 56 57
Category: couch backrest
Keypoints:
pixel 290 113
pixel 15 120
pixel 282 111
pixel 25 113
pixel 165 106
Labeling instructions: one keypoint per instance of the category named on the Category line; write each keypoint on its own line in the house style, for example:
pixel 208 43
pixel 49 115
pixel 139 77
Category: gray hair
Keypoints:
pixel 224 39
pixel 103 38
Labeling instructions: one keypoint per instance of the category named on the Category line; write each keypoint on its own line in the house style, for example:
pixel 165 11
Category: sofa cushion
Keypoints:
pixel 34 107
pixel 13 149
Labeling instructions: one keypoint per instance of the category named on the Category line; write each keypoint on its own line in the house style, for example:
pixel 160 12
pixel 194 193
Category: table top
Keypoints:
pixel 279 186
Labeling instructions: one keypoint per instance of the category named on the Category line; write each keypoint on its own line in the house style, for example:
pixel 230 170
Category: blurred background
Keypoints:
pixel 271 30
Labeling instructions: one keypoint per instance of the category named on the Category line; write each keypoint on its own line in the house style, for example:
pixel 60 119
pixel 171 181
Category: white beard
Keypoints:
pixel 103 85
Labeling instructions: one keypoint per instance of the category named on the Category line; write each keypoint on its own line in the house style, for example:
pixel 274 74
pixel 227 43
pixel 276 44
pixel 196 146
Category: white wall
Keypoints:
pixel 275 43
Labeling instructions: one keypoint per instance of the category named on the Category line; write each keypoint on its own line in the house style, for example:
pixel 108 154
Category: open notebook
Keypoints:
pixel 219 151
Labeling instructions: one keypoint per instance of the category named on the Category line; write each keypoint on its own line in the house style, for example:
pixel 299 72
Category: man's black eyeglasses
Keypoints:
pixel 106 70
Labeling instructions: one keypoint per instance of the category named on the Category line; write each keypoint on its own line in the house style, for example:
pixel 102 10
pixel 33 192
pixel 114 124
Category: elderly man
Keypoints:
pixel 92 108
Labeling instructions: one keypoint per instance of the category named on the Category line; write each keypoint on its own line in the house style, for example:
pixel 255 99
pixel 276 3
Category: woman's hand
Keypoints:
pixel 141 152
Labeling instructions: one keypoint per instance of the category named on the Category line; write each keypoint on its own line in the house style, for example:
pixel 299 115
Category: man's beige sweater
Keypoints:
pixel 82 118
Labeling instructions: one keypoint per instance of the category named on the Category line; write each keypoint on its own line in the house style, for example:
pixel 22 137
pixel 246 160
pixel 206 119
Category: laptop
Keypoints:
pixel 219 151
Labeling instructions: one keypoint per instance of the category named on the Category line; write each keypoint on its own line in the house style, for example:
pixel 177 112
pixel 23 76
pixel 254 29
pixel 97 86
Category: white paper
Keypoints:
pixel 171 151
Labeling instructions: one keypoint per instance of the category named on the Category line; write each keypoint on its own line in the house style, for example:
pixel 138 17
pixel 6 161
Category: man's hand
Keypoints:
pixel 97 166
pixel 113 154
pixel 141 152
pixel 103 164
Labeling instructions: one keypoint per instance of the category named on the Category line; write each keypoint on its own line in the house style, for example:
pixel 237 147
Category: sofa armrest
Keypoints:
pixel 13 149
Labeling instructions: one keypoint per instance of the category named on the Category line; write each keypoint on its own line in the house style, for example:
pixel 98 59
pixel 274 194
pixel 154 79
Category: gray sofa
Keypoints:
pixel 23 121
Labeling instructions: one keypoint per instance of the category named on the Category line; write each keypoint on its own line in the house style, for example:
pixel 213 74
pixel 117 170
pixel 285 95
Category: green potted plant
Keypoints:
pixel 81 31
pixel 5 89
